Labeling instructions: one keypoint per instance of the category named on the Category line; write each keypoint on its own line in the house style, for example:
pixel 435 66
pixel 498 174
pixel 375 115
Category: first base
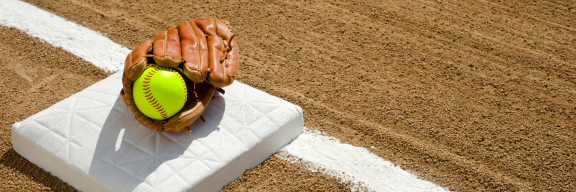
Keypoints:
pixel 92 141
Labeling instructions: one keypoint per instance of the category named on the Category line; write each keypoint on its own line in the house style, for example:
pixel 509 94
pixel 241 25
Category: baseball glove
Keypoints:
pixel 203 50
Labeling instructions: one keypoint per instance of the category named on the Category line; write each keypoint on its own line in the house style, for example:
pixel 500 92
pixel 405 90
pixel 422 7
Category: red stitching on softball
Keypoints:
pixel 185 88
pixel 150 97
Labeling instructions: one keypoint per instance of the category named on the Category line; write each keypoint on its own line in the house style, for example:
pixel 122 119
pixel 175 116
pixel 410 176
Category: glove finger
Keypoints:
pixel 167 51
pixel 231 56
pixel 194 52
pixel 135 61
pixel 232 59
pixel 222 51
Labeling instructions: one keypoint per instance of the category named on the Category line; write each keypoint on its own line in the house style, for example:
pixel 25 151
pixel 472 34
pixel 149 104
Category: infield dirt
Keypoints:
pixel 471 95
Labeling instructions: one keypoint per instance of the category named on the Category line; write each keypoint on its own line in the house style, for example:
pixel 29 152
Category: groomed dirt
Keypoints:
pixel 35 76
pixel 276 174
pixel 472 95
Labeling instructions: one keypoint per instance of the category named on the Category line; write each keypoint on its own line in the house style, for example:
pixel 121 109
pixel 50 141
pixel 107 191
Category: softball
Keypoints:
pixel 160 92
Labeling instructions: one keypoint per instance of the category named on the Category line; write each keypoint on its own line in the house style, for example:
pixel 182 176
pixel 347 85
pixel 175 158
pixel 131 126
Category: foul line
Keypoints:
pixel 326 154
pixel 319 152
pixel 78 40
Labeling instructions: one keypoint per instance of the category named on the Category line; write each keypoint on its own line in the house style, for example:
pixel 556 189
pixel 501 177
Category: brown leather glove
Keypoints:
pixel 203 50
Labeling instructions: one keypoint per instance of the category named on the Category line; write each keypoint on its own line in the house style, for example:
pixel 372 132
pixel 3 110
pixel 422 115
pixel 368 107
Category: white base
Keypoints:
pixel 92 141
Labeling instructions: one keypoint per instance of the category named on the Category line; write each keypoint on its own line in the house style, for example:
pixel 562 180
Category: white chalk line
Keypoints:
pixel 357 164
pixel 326 153
pixel 78 40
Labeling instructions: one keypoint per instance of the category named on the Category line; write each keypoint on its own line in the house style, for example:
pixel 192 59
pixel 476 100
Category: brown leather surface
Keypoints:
pixel 223 51
pixel 195 106
pixel 209 50
pixel 194 51
pixel 136 62
pixel 167 51
pixel 209 53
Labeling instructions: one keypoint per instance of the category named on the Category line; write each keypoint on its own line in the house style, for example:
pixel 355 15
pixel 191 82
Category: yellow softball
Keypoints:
pixel 160 92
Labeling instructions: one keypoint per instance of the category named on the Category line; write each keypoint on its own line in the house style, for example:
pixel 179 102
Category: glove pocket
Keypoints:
pixel 196 104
